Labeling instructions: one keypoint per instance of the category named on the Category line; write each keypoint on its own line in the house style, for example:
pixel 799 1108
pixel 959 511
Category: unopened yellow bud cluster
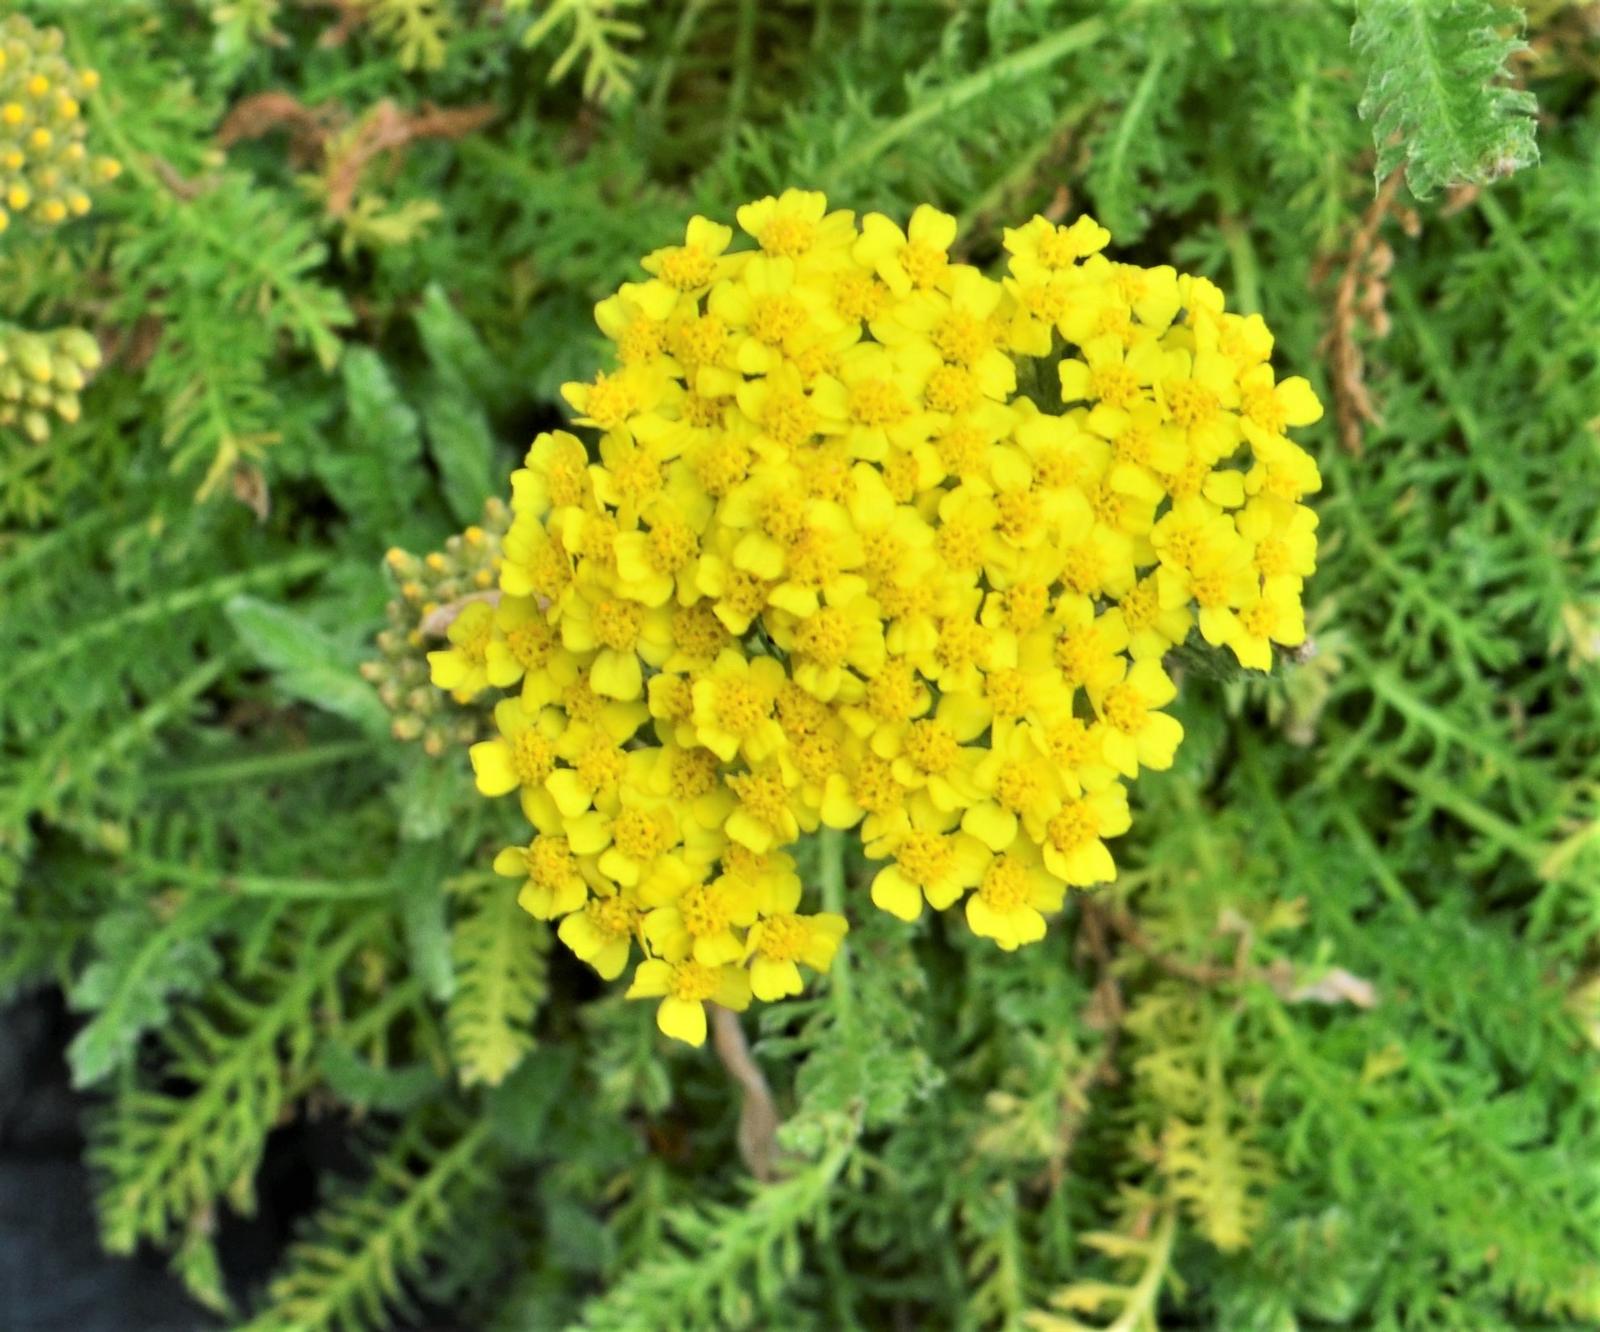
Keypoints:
pixel 41 374
pixel 825 567
pixel 45 169
pixel 430 592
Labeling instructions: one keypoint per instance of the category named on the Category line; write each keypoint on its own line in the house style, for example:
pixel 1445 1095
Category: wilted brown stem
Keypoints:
pixel 758 1114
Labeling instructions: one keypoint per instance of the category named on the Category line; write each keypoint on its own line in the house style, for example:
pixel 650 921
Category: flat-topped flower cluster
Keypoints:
pixel 825 566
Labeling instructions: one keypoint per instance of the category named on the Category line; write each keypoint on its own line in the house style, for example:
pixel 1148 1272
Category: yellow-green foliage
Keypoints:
pixel 1324 1055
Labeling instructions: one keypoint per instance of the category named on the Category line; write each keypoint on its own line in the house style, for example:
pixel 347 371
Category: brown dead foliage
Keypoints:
pixel 388 129
pixel 261 114
pixel 1360 303
pixel 346 149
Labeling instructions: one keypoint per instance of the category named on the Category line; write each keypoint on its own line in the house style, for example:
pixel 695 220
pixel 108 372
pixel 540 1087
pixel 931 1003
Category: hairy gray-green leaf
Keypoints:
pixel 1438 94
pixel 308 664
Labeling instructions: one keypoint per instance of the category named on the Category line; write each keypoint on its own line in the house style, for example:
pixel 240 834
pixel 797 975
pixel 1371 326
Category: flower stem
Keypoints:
pixel 830 869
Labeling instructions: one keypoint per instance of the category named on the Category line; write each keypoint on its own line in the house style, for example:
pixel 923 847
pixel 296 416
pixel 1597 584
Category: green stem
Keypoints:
pixel 831 872
pixel 668 67
pixel 258 766
pixel 1017 65
pixel 161 608
pixel 744 56
pixel 1242 257
pixel 1019 176
pixel 283 886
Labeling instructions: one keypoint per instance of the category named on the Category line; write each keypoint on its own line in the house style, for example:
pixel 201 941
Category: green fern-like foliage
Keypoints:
pixel 1438 91
pixel 1324 1057
pixel 498 955
pixel 372 1241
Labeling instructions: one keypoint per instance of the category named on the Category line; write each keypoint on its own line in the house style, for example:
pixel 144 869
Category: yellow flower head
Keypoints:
pixel 818 562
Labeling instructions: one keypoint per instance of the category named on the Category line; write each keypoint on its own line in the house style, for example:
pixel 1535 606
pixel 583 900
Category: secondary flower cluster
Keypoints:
pixel 826 567
pixel 429 590
pixel 42 373
pixel 45 169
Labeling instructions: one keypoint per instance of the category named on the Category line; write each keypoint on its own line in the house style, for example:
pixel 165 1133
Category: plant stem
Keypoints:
pixel 1017 65
pixel 255 767
pixel 830 863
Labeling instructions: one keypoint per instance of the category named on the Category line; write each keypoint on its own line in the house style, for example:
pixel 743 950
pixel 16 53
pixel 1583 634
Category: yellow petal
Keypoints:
pixel 894 893
pixel 682 1019
pixel 1299 403
pixel 491 763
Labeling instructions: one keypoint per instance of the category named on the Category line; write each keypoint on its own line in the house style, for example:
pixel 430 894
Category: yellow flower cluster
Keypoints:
pixel 41 373
pixel 45 169
pixel 826 567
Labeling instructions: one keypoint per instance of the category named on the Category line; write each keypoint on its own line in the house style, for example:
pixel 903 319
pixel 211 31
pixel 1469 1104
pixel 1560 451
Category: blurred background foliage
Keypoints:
pixel 1325 1055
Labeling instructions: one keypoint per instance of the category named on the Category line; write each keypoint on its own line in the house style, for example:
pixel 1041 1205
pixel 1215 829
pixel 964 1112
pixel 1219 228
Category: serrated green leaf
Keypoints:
pixel 142 963
pixel 1438 91
pixel 520 1108
pixel 454 348
pixel 394 1090
pixel 375 470
pixel 419 874
pixel 306 662
pixel 462 445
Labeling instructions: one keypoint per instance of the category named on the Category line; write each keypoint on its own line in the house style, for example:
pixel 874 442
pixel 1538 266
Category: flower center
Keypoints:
pixel 533 757
pixel 550 862
pixel 1074 826
pixel 740 708
pixel 600 766
pixel 693 981
pixel 775 318
pixel 789 418
pixel 704 909
pixel 1072 743
pixel 1191 402
pixel 617 623
pixel 1005 885
pixel 612 916
pixel 877 402
pixel 961 450
pixel 783 938
pixel 642 834
pixel 874 787
pixel 788 237
pixel 696 631
pixel 609 401
pixel 531 643
pixel 860 296
pixel 1124 708
pixel 1007 689
pixel 925 857
pixel 825 637
pixel 1018 786
pixel 931 747
pixel 763 796
pixel 961 337
pixel 686 268
pixel 892 694
pixel 693 774
pixel 700 341
pixel 672 545
pixel 952 389
pixel 1116 384
pixel 721 465
pixel 924 264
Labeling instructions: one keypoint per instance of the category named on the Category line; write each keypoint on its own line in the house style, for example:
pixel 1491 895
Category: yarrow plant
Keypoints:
pixel 826 567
